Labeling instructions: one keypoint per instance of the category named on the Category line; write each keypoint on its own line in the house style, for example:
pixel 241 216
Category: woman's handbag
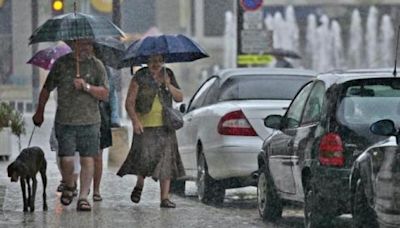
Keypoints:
pixel 172 118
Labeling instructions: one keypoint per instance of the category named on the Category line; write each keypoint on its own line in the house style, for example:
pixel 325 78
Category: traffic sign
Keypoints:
pixel 251 5
pixel 255 41
pixel 252 20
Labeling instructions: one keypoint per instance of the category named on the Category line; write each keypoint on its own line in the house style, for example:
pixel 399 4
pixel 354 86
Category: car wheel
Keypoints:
pixel 268 201
pixel 209 191
pixel 177 187
pixel 313 214
pixel 363 215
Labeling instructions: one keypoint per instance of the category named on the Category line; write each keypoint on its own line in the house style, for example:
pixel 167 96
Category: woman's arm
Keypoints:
pixel 130 103
pixel 177 94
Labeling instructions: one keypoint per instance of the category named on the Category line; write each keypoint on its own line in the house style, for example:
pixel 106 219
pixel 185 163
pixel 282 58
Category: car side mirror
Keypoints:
pixel 182 108
pixel 273 121
pixel 383 127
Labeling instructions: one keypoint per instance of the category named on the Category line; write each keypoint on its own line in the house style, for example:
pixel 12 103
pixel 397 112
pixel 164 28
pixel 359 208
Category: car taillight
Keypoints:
pixel 235 123
pixel 331 150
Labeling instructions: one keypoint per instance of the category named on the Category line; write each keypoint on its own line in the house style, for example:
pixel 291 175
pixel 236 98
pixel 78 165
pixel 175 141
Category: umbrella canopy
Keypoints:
pixel 109 50
pixel 174 48
pixel 46 57
pixel 74 26
pixel 284 53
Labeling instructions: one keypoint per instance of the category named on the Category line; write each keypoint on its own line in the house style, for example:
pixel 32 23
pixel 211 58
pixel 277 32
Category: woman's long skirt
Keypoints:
pixel 154 153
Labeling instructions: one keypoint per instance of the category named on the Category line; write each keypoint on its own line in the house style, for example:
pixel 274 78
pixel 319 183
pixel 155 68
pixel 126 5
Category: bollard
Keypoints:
pixel 120 148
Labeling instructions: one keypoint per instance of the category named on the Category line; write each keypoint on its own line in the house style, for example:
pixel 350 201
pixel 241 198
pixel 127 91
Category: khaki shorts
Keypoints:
pixel 82 138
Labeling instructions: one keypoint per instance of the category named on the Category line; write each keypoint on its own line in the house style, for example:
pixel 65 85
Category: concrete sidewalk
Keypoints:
pixel 115 209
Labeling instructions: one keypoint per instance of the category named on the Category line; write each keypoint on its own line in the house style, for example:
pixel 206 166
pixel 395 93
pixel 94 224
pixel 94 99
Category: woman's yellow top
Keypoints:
pixel 154 117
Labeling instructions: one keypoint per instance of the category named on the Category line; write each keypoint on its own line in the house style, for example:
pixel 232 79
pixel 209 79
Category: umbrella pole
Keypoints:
pixel 165 76
pixel 77 58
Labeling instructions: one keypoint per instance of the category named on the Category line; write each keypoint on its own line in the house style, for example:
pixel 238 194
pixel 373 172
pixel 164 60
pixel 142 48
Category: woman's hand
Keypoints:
pixel 137 127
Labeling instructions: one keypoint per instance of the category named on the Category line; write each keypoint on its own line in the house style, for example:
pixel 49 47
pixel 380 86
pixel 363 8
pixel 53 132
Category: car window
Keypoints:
pixel 293 114
pixel 212 94
pixel 245 87
pixel 313 108
pixel 198 98
pixel 366 101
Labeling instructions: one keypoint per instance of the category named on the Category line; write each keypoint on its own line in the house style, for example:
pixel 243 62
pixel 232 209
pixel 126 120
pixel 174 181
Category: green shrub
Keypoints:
pixel 11 118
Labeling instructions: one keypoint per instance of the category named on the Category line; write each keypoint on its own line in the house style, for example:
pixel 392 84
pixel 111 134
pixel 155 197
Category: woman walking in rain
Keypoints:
pixel 154 151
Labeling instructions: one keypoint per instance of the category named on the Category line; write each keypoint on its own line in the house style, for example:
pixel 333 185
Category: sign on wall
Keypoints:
pixel 253 38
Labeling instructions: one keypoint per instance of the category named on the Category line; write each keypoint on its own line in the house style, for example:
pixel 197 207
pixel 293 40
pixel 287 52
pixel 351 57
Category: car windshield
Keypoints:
pixel 247 87
pixel 370 101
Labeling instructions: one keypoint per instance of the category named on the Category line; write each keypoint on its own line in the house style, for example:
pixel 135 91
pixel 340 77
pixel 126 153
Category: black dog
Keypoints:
pixel 28 163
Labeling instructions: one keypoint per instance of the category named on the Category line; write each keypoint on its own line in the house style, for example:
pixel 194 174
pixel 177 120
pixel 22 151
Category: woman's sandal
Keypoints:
pixel 166 203
pixel 83 205
pixel 67 195
pixel 97 197
pixel 136 194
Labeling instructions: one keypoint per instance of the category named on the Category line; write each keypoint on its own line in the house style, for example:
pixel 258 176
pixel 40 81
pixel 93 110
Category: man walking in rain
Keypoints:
pixel 81 81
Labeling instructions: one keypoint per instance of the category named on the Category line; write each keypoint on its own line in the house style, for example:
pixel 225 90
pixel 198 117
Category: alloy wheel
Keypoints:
pixel 201 177
pixel 262 193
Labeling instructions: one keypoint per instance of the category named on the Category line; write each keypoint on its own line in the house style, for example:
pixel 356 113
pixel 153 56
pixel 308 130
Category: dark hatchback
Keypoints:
pixel 326 127
pixel 375 180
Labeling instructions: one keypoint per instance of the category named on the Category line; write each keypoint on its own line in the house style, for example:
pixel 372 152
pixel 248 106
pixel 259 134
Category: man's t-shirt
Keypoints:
pixel 76 107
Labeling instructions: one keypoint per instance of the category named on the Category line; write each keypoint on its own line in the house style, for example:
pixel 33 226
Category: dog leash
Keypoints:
pixel 30 139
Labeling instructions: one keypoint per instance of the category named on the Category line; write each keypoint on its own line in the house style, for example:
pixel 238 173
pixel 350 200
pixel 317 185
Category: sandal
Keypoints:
pixel 136 194
pixel 97 197
pixel 83 205
pixel 67 195
pixel 60 187
pixel 166 203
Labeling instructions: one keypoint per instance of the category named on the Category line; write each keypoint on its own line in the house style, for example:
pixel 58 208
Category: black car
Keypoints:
pixel 326 127
pixel 375 180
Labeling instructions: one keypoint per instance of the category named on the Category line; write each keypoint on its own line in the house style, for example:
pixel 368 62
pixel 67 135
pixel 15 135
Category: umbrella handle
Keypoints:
pixel 77 59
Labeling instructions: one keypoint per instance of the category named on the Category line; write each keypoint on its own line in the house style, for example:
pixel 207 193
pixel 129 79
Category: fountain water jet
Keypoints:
pixel 355 44
pixel 386 44
pixel 371 38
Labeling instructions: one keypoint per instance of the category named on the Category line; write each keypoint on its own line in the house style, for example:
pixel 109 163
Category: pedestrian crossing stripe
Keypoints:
pixel 254 59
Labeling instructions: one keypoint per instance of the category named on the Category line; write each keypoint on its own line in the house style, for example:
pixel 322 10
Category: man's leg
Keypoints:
pixel 88 143
pixel 67 170
pixel 87 170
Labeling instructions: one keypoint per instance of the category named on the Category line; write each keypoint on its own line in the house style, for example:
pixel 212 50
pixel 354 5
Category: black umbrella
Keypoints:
pixel 74 26
pixel 283 53
pixel 109 50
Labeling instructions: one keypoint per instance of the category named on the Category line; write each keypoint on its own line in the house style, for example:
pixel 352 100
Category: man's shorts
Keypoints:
pixel 82 138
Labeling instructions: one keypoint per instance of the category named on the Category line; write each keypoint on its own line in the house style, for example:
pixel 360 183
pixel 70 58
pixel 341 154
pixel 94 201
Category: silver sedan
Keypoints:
pixel 223 126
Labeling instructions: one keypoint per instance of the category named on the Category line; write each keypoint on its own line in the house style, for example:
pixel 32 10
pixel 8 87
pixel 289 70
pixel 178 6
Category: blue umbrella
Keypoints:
pixel 174 48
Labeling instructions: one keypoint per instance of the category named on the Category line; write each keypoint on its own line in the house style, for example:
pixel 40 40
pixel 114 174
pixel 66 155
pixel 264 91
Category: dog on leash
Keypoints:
pixel 29 162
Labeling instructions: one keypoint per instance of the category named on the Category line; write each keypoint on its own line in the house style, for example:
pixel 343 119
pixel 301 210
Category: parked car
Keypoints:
pixel 223 126
pixel 375 179
pixel 309 158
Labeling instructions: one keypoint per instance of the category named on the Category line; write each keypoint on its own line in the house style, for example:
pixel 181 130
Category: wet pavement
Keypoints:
pixel 116 209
